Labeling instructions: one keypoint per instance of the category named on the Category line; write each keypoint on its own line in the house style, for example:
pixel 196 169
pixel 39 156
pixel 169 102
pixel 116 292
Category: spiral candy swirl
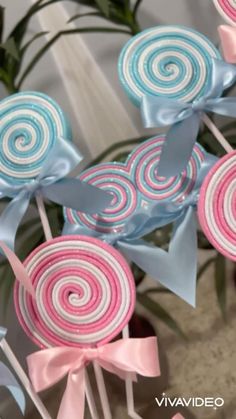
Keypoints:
pixel 156 188
pixel 217 206
pixel 116 180
pixel 168 61
pixel 31 122
pixel 227 9
pixel 136 188
pixel 85 293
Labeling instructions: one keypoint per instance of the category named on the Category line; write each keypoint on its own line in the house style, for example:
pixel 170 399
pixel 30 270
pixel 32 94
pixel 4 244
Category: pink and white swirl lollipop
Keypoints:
pixel 85 293
pixel 145 161
pixel 136 187
pixel 217 206
pixel 227 9
pixel 116 180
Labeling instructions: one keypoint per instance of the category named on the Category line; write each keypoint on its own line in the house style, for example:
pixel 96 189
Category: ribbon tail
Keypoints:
pixel 176 269
pixel 18 268
pixel 223 76
pixel 78 195
pixel 11 218
pixel 8 380
pixel 178 147
pixel 129 356
pixel 184 246
pixel 72 404
pixel 223 106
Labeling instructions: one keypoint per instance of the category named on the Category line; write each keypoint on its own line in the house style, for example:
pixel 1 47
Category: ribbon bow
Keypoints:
pixel 228 41
pixel 49 366
pixel 53 185
pixel 8 380
pixel 185 118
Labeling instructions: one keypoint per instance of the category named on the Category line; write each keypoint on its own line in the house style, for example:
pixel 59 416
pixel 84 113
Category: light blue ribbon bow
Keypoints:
pixel 175 269
pixel 53 185
pixel 8 380
pixel 185 118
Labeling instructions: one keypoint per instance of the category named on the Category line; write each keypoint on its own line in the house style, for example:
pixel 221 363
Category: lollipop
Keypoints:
pixel 167 61
pixel 85 293
pixel 115 179
pixel 35 158
pixel 227 9
pixel 157 188
pixel 30 124
pixel 217 206
pixel 136 187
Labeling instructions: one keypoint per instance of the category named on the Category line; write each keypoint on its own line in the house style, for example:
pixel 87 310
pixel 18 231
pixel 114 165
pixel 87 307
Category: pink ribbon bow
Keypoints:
pixel 228 42
pixel 49 366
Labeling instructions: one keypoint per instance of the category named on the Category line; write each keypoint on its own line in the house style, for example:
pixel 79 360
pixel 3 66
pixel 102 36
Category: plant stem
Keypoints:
pixel 42 51
pixel 134 27
pixel 10 86
pixel 136 6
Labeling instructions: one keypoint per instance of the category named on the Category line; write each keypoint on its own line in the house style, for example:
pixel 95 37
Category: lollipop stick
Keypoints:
pixel 102 391
pixel 24 379
pixel 221 139
pixel 90 399
pixel 43 217
pixel 129 385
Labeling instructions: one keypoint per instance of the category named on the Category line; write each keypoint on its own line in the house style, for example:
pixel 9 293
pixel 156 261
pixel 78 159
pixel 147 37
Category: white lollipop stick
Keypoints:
pixel 90 398
pixel 43 217
pixel 24 379
pixel 48 236
pixel 129 385
pixel 218 135
pixel 102 391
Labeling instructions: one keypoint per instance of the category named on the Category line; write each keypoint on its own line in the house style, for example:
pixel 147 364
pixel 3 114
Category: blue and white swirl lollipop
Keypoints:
pixel 35 159
pixel 167 61
pixel 30 125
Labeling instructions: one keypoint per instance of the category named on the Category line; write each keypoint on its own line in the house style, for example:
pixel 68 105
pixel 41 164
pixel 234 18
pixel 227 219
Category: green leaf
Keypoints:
pixel 46 47
pixel 221 283
pixel 121 157
pixel 31 241
pixel 156 309
pixel 157 290
pixel 104 6
pixel 139 275
pixel 204 267
pixel 36 36
pixel 21 27
pixel 11 48
pixel 228 127
pixel 55 219
pixel 231 139
pixel 1 22
pixel 7 282
pixel 116 146
pixel 136 7
pixel 78 16
pixel 28 225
